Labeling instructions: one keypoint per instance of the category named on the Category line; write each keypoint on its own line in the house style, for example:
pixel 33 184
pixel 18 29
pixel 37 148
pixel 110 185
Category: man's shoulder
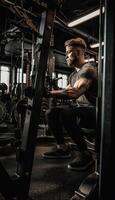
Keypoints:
pixel 88 70
pixel 89 65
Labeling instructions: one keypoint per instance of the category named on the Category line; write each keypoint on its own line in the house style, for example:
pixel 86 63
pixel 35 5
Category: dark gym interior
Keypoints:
pixel 32 53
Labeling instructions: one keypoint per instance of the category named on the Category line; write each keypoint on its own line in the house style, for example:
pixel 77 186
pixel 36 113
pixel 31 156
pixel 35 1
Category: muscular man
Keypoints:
pixel 82 88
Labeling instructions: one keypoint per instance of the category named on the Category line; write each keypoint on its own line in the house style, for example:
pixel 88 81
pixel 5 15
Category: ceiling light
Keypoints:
pixel 95 45
pixel 85 18
pixel 90 60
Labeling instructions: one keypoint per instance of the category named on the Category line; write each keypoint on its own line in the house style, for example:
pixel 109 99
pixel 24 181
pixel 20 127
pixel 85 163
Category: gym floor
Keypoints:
pixel 51 179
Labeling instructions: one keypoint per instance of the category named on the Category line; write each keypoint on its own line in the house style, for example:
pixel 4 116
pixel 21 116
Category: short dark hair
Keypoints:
pixel 76 42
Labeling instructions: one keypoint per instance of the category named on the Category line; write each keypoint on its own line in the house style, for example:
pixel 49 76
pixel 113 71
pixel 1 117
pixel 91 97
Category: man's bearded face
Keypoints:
pixel 71 55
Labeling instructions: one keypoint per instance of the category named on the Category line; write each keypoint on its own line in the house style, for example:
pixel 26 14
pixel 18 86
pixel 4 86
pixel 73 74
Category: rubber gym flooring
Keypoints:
pixel 51 179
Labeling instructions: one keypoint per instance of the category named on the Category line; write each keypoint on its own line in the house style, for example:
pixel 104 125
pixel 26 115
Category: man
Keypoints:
pixel 83 89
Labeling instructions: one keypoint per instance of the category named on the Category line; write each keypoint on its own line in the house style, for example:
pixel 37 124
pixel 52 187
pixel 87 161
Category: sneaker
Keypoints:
pixel 57 153
pixel 82 161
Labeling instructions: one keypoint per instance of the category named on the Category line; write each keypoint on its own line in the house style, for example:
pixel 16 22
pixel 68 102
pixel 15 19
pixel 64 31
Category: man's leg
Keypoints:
pixel 73 119
pixel 55 124
pixel 71 123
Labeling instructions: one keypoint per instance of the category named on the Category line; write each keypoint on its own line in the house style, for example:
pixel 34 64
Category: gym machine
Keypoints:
pixel 99 185
pixel 18 186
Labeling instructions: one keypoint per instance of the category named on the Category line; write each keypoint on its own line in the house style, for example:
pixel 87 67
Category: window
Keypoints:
pixel 4 75
pixel 19 76
pixel 62 82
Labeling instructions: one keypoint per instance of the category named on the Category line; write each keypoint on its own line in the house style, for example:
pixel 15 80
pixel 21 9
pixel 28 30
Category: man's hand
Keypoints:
pixel 71 92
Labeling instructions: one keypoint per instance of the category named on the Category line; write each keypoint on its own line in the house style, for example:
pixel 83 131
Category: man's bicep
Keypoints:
pixel 82 83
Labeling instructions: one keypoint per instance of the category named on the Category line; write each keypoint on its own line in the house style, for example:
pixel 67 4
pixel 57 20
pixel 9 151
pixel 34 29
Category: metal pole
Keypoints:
pixel 24 167
pixel 99 98
pixel 22 65
pixel 107 157
pixel 32 58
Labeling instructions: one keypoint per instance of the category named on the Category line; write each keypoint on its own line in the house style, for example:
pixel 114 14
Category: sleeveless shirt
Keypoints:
pixel 89 72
